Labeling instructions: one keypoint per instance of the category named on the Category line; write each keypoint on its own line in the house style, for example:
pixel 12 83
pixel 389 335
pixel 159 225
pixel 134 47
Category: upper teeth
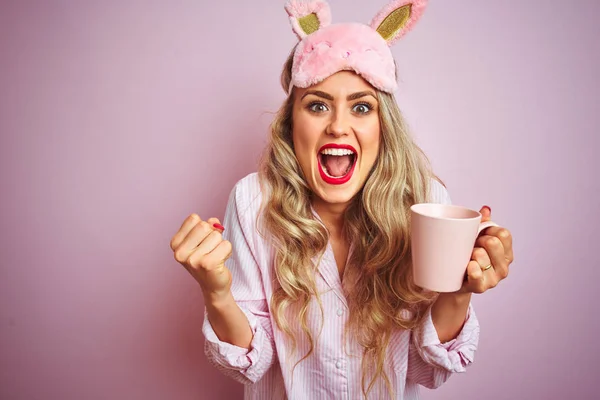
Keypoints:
pixel 337 152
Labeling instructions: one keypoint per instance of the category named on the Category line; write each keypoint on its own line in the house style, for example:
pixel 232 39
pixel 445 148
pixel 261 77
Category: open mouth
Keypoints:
pixel 336 163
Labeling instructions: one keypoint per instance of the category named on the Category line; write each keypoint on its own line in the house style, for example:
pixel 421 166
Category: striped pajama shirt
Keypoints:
pixel 333 371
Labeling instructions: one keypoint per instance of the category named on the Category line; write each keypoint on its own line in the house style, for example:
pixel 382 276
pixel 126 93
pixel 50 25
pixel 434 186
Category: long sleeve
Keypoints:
pixel 430 362
pixel 243 365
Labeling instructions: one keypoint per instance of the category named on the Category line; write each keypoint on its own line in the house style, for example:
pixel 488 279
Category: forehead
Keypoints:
pixel 340 83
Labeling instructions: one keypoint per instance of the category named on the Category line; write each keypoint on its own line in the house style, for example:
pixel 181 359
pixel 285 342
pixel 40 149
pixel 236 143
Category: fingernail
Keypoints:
pixel 489 208
pixel 219 227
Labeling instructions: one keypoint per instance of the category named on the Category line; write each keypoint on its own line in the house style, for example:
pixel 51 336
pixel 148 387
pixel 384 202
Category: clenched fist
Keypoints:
pixel 200 248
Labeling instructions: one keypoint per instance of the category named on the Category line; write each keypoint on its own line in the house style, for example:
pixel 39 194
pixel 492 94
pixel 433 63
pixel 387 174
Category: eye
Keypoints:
pixel 317 107
pixel 362 108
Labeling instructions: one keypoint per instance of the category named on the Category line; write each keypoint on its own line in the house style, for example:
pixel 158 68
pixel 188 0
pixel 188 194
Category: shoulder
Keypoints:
pixel 438 192
pixel 243 210
pixel 246 193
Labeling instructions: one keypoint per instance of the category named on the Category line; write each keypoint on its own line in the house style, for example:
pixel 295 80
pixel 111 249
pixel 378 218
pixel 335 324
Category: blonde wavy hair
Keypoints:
pixel 378 282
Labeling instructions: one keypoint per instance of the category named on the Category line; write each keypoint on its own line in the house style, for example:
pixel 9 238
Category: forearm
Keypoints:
pixel 449 313
pixel 228 321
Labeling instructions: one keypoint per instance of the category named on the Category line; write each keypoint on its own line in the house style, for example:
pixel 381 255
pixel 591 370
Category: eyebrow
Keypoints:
pixel 350 97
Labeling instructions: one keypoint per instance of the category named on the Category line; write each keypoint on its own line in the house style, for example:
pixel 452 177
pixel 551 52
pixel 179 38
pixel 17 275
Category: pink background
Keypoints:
pixel 119 118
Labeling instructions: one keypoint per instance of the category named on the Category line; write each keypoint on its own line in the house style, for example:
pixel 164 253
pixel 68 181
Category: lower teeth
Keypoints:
pixel 335 177
pixel 324 168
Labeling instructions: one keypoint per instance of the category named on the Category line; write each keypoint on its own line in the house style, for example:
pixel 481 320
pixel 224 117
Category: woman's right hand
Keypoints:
pixel 200 248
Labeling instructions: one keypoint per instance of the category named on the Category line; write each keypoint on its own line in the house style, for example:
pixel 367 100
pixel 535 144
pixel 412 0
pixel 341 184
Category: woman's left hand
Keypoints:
pixel 491 258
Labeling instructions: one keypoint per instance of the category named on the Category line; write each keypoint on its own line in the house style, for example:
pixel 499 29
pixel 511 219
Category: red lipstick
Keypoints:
pixel 342 179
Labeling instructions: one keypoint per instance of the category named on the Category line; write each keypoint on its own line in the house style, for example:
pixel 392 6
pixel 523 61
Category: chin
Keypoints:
pixel 340 198
pixel 336 194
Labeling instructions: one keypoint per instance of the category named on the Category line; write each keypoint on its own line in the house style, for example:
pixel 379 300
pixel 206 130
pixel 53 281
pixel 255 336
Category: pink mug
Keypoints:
pixel 443 237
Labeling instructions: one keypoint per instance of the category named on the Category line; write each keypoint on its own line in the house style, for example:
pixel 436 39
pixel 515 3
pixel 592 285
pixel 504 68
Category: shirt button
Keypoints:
pixel 338 364
pixel 340 312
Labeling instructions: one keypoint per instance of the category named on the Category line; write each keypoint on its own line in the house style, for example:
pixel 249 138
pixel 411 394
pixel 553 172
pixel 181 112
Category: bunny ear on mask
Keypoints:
pixel 307 17
pixel 325 48
pixel 397 18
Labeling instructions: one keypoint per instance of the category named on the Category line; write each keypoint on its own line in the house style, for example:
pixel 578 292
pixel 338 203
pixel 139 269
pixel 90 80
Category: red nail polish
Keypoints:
pixel 489 208
pixel 219 227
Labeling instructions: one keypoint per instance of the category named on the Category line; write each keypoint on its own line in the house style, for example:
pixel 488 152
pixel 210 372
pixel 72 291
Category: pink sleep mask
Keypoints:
pixel 326 48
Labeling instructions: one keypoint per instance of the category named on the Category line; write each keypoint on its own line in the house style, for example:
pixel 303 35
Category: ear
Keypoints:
pixel 397 18
pixel 307 17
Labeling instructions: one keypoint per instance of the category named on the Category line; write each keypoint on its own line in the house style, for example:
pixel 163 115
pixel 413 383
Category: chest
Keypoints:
pixel 341 249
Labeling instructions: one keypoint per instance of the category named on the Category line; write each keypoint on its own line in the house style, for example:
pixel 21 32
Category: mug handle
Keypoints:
pixel 485 225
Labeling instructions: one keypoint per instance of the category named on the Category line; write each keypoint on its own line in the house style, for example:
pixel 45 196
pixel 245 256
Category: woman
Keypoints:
pixel 307 286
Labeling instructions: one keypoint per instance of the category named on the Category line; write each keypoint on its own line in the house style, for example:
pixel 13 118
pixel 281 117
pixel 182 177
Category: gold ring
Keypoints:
pixel 486 268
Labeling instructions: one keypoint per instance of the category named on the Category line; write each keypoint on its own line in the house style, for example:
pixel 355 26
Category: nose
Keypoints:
pixel 339 125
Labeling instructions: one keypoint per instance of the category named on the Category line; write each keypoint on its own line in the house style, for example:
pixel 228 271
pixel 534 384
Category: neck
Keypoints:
pixel 332 215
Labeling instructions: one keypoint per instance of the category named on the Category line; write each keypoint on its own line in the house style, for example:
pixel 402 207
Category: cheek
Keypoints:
pixel 302 145
pixel 372 140
pixel 304 137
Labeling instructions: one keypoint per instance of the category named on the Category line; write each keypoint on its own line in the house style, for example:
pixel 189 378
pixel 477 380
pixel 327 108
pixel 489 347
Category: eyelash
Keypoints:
pixel 315 103
pixel 366 104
